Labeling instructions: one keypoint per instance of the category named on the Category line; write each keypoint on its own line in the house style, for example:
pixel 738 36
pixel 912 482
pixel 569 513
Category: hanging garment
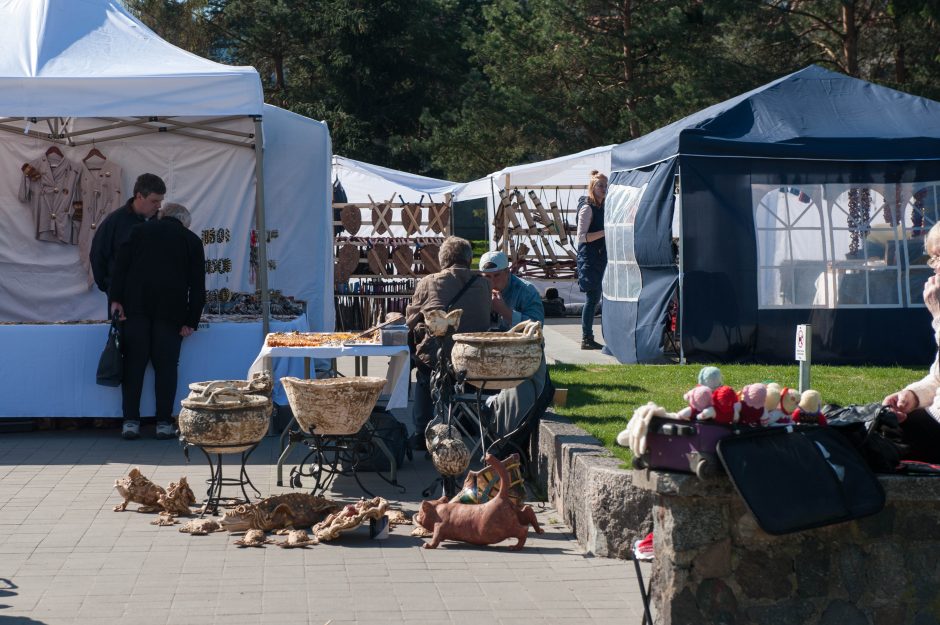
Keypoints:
pixel 100 195
pixel 50 185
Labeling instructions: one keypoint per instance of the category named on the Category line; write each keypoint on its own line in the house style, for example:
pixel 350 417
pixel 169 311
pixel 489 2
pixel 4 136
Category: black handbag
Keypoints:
pixel 874 430
pixel 111 362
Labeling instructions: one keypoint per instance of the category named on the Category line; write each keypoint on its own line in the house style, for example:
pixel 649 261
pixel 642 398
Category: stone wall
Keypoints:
pixel 715 565
pixel 585 483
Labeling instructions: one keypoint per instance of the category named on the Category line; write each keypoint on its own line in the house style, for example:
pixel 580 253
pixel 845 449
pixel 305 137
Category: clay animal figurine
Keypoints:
pixel 178 498
pixel 710 377
pixel 727 406
pixel 201 527
pixel 699 407
pixel 439 322
pixel 137 488
pixel 253 538
pixel 752 399
pixel 297 539
pixel 481 524
pixel 291 510
pixel 349 518
pixel 809 410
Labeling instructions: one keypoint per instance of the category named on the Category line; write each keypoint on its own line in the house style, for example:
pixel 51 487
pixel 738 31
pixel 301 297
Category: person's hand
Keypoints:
pixel 186 331
pixel 500 307
pixel 901 402
pixel 116 307
pixel 931 297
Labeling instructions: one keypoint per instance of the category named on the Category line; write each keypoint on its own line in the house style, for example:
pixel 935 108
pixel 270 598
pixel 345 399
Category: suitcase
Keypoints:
pixel 800 477
pixel 687 446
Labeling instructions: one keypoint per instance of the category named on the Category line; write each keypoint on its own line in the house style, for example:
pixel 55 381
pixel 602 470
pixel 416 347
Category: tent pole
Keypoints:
pixel 681 271
pixel 261 229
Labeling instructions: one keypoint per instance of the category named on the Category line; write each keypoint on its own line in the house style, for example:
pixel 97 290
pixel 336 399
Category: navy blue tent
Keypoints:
pixel 803 201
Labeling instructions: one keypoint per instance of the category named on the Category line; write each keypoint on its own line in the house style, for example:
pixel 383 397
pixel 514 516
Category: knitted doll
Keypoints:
pixel 752 399
pixel 727 406
pixel 700 405
pixel 809 410
pixel 772 412
pixel 789 400
pixel 710 377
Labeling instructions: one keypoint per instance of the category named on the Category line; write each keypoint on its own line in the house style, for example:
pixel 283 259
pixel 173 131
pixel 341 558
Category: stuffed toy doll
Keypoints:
pixel 772 412
pixel 700 405
pixel 789 401
pixel 710 377
pixel 809 410
pixel 752 399
pixel 726 404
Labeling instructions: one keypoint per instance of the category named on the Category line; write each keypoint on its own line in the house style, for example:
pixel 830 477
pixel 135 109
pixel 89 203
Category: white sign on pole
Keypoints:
pixel 802 338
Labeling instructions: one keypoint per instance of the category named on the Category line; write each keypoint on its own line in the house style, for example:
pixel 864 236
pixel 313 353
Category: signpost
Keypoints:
pixel 804 353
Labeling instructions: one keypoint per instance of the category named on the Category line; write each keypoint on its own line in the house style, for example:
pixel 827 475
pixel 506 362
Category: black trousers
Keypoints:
pixel 158 342
pixel 922 433
pixel 423 406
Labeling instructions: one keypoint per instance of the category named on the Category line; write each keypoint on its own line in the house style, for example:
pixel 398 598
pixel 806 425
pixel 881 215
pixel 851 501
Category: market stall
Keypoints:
pixel 146 106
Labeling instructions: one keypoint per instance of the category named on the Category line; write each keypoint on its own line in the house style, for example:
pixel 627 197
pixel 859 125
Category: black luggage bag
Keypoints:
pixel 800 477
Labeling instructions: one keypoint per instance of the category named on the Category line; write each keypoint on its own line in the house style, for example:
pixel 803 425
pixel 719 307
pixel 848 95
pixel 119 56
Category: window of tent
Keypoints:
pixel 843 245
pixel 622 279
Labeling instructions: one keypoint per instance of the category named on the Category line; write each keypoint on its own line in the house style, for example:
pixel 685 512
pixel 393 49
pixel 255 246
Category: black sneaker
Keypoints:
pixel 590 343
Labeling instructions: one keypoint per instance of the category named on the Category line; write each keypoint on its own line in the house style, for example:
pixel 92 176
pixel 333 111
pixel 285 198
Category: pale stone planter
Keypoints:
pixel 334 406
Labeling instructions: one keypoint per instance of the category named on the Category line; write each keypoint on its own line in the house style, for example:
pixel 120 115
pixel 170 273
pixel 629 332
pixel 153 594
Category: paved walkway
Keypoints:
pixel 66 557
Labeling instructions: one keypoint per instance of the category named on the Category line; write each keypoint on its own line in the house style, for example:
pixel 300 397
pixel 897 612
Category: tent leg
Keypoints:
pixel 262 279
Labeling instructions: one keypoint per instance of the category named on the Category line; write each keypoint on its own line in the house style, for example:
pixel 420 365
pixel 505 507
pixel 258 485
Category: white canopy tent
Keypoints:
pixel 82 74
pixel 365 183
pixel 561 180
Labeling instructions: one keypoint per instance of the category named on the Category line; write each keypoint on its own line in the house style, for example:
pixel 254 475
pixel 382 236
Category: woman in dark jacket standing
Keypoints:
pixel 592 254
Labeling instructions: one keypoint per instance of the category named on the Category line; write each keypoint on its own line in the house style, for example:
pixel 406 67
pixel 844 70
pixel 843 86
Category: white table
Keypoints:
pixel 396 378
pixel 48 370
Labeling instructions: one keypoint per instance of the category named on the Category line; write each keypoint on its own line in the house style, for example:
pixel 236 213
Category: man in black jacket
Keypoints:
pixel 114 231
pixel 158 289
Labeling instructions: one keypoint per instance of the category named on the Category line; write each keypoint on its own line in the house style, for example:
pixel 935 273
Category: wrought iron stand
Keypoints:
pixel 214 499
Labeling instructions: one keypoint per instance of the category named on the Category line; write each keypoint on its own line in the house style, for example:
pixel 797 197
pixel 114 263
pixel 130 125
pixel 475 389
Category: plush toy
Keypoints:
pixel 772 412
pixel 809 410
pixel 634 436
pixel 710 377
pixel 752 399
pixel 789 400
pixel 726 404
pixel 700 404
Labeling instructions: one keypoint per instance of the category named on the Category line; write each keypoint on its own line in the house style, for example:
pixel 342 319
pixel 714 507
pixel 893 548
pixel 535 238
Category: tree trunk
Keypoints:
pixel 850 38
pixel 627 23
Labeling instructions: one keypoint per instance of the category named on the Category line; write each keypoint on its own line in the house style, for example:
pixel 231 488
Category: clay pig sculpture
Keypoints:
pixel 479 524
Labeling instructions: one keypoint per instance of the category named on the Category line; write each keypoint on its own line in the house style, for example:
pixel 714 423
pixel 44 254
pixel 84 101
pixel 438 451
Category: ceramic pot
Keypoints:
pixel 333 406
pixel 224 421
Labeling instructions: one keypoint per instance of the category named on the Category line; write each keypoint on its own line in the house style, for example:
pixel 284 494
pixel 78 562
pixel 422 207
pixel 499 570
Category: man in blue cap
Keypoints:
pixel 514 299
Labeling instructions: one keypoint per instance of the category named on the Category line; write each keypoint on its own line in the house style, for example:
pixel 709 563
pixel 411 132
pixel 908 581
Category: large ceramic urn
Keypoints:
pixel 332 406
pixel 499 359
pixel 224 420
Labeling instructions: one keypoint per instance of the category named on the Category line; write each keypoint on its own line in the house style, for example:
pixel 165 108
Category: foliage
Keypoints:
pixel 601 398
pixel 460 88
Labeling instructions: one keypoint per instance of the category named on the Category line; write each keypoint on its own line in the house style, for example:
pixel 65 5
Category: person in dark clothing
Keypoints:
pixel 158 290
pixel 114 231
pixel 592 254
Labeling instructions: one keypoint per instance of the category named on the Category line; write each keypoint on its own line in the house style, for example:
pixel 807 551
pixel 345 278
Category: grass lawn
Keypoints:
pixel 601 398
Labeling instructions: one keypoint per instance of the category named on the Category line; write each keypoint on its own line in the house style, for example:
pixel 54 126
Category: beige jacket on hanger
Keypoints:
pixel 101 194
pixel 50 185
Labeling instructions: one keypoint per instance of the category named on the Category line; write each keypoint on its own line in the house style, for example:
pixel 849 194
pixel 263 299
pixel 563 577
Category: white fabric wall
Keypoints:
pixel 298 195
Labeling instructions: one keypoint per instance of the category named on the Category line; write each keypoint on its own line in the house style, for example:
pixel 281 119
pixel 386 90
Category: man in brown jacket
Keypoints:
pixel 454 286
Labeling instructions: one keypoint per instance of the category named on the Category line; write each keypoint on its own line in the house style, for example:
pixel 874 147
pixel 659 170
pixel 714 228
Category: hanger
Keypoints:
pixel 94 152
pixel 54 150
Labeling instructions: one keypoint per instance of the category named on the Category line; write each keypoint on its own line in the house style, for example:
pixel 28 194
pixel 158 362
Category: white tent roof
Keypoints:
pixel 570 170
pixel 360 180
pixel 110 64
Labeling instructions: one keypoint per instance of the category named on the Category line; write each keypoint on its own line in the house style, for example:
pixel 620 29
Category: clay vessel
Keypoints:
pixel 332 406
pixel 499 359
pixel 224 421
